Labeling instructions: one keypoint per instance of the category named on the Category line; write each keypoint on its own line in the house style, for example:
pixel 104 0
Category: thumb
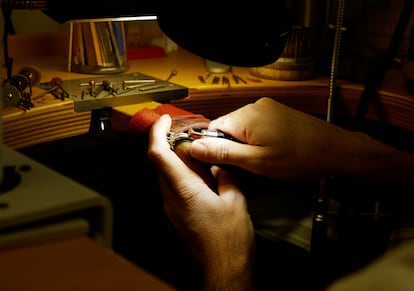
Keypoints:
pixel 220 151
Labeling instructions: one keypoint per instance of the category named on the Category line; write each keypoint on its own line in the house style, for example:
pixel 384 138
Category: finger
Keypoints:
pixel 231 195
pixel 180 177
pixel 225 152
pixel 159 152
pixel 228 125
pixel 159 130
pixel 227 185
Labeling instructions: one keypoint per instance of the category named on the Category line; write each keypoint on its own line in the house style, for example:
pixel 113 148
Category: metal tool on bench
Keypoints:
pixel 121 89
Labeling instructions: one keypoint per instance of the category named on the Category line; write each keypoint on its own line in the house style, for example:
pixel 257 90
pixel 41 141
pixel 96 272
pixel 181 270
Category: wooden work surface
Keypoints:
pixel 53 119
pixel 394 104
pixel 76 263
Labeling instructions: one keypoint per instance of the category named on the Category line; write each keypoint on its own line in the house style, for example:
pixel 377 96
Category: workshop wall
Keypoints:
pixel 26 21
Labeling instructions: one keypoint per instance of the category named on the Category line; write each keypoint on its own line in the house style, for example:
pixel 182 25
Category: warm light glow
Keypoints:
pixel 126 18
pixel 1 150
pixel 1 137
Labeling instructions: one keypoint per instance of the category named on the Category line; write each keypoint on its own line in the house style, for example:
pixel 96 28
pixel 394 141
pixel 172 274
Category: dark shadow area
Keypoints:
pixel 116 165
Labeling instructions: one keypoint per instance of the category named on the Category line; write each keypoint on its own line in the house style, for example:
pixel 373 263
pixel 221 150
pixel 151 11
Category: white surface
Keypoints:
pixel 44 195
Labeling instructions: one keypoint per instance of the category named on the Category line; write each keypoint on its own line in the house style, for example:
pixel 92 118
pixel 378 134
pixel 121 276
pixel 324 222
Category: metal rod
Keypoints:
pixel 319 235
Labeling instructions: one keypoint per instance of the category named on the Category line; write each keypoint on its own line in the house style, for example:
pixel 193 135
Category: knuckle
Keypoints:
pixel 222 153
pixel 154 153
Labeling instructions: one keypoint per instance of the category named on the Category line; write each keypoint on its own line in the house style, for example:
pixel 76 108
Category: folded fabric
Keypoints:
pixel 143 119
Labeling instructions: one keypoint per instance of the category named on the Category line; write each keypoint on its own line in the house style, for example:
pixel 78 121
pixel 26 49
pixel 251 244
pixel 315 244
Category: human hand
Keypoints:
pixel 278 142
pixel 216 226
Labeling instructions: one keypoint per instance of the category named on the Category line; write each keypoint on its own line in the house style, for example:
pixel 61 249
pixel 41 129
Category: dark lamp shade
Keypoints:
pixel 232 32
pixel 229 32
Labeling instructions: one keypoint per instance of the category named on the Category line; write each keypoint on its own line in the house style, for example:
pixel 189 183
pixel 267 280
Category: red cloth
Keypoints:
pixel 145 53
pixel 142 120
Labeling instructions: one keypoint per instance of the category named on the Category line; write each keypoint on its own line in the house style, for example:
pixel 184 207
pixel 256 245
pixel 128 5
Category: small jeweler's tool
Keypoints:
pixel 138 81
pixel 131 84
pixel 196 133
pixel 172 74
pixel 225 81
pixel 201 78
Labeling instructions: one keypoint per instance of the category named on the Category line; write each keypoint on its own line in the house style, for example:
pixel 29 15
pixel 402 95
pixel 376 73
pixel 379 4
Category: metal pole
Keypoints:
pixel 319 236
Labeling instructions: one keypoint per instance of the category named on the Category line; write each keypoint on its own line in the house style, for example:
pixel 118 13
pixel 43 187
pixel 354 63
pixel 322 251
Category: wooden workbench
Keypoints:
pixel 53 119
pixel 75 263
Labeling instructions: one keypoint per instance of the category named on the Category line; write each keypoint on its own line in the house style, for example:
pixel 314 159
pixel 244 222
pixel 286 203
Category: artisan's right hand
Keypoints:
pixel 277 141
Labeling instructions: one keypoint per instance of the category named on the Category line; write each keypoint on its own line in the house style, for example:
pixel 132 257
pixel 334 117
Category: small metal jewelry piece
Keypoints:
pixel 174 137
